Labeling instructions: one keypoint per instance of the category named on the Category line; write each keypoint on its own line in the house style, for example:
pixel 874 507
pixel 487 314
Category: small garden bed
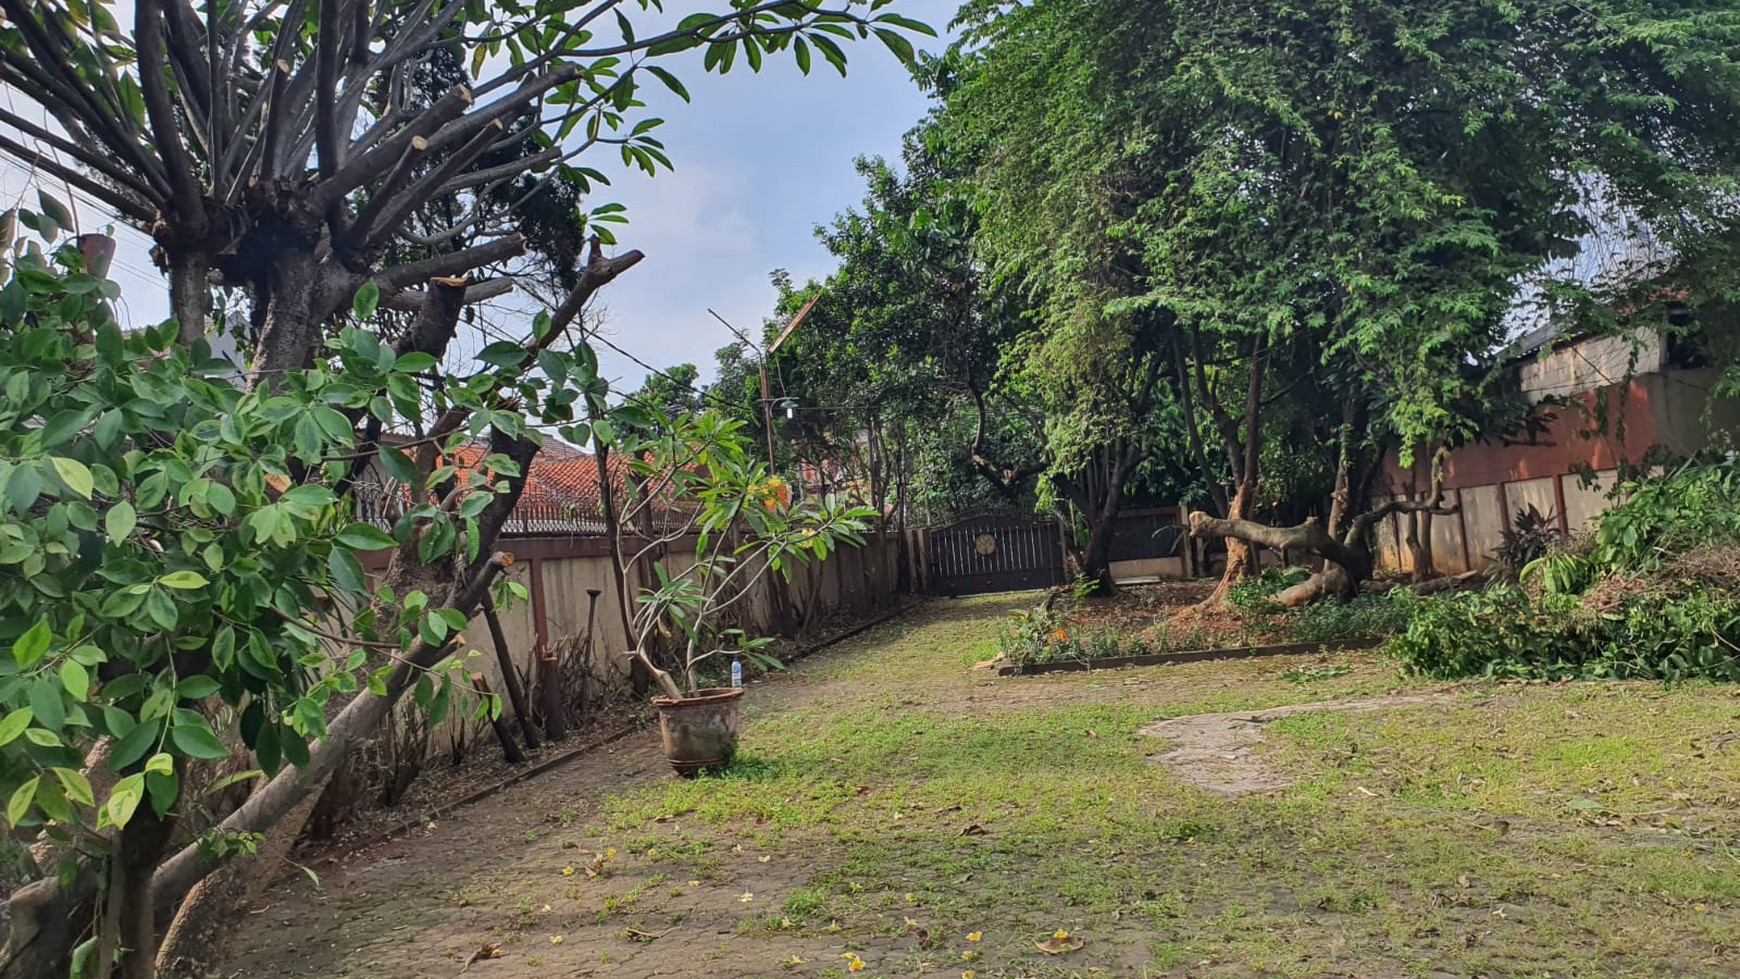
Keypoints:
pixel 1187 656
pixel 1142 626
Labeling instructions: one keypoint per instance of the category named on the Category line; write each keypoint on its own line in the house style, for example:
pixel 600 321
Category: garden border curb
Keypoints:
pixel 395 831
pixel 1190 656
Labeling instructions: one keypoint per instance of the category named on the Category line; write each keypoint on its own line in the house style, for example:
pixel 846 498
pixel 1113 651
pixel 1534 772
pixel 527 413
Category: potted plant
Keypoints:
pixel 696 479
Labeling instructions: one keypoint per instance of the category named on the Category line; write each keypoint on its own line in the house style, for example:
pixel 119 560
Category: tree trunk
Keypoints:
pixel 194 945
pixel 141 848
pixel 188 294
pixel 295 312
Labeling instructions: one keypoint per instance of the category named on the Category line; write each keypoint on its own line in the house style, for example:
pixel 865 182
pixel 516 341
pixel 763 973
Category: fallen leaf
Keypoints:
pixel 763 859
pixel 555 939
pixel 973 830
pixel 745 897
pixel 1058 946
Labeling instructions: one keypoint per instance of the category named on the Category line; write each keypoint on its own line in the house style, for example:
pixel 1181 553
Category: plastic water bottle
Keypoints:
pixel 736 673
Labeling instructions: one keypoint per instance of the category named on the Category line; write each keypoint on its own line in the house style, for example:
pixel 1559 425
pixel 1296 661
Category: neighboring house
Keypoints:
pixel 1618 402
pixel 562 494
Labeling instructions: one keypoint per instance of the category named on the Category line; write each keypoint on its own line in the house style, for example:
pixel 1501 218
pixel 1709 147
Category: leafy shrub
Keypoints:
pixel 1531 535
pixel 1697 505
pixel 1651 599
pixel 1044 635
pixel 1505 632
pixel 1257 594
pixel 1368 616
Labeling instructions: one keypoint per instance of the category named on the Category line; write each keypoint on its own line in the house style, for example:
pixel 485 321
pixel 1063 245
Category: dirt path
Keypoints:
pixel 1223 753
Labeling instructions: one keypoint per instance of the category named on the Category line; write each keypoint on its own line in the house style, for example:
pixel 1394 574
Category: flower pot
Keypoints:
pixel 699 732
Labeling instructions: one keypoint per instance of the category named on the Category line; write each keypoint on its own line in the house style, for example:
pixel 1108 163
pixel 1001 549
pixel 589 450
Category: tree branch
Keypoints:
pixel 186 202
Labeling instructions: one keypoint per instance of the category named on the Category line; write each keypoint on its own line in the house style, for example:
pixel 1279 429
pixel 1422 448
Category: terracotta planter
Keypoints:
pixel 700 732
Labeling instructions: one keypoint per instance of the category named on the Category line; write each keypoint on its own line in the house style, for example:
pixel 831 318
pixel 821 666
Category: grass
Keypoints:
pixel 1433 836
pixel 888 803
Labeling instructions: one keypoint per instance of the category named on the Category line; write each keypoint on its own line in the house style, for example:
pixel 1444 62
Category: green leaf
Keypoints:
pixel 55 209
pixel 161 608
pixel 346 573
pixel 183 580
pixel 42 738
pixel 124 799
pixel 30 647
pixel 13 724
pixel 119 522
pixel 898 44
pixel 75 475
pixel 196 688
pixel 133 747
pixel 19 804
pixel 367 298
pixel 502 353
pixel 365 537
pixel 398 465
pixel 76 679
pixel 414 362
pixel 198 741
pixel 76 786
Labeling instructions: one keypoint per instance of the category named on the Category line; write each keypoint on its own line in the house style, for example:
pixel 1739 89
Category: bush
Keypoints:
pixel 1651 599
pixel 1505 632
pixel 1368 616
pixel 1044 635
pixel 1257 594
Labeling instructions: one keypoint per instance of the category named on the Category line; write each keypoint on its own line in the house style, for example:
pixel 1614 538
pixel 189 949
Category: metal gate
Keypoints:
pixel 995 552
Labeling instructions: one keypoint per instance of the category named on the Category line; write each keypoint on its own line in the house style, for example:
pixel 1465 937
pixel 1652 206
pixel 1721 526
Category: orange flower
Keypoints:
pixel 1061 635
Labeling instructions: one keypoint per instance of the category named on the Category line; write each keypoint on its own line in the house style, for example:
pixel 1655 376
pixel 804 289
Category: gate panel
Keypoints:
pixel 994 553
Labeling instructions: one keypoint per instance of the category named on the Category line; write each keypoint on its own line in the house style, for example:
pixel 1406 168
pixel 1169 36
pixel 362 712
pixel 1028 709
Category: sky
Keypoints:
pixel 760 160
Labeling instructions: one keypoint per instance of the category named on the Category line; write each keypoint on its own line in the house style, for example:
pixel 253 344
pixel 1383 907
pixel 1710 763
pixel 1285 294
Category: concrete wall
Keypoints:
pixel 1569 469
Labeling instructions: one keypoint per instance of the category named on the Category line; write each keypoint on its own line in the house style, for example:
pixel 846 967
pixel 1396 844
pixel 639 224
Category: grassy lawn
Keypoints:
pixel 894 811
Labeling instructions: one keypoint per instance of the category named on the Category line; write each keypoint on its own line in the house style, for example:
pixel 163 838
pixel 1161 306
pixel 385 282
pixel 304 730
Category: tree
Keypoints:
pixel 283 151
pixel 1324 195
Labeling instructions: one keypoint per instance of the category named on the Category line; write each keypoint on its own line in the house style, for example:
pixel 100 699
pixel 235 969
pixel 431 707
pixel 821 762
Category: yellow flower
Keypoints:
pixel 975 936
pixel 967 974
pixel 746 897
pixel 911 897
pixel 795 960
pixel 555 939
pixel 567 871
pixel 968 955
pixel 1060 934
pixel 855 965
pixel 610 852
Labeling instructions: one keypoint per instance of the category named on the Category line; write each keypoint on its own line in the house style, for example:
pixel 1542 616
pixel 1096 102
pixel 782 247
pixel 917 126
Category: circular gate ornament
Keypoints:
pixel 984 545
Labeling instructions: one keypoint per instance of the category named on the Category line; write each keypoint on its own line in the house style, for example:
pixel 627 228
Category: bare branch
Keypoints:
pixel 84 154
pixel 453 263
pixel 109 195
pixel 187 201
